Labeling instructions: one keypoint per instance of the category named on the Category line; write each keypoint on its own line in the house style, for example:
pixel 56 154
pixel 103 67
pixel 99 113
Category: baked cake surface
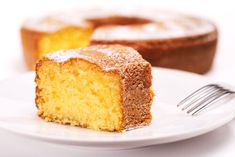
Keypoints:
pixel 165 39
pixel 100 87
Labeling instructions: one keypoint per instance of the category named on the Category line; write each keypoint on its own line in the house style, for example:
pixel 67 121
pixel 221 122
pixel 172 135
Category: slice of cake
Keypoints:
pixel 100 87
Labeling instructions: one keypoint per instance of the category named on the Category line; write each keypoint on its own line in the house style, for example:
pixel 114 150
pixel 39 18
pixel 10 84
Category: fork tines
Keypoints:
pixel 203 97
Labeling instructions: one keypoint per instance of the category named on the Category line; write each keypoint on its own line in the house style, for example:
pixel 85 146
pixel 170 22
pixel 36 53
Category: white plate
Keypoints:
pixel 18 115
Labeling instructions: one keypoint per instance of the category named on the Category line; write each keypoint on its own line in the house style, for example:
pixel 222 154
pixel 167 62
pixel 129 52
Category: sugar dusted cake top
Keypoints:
pixel 161 25
pixel 108 57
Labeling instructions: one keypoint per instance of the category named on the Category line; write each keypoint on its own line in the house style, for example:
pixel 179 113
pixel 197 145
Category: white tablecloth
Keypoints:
pixel 220 142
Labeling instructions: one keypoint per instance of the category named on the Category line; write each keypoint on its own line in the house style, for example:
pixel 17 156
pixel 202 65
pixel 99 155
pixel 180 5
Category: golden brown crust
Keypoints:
pixel 30 40
pixel 137 95
pixel 135 75
pixel 193 54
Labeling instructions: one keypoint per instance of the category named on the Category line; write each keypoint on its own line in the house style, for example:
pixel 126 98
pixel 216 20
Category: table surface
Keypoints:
pixel 220 142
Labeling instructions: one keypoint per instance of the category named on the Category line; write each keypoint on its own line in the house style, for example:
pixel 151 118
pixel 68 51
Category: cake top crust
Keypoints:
pixel 108 57
pixel 157 25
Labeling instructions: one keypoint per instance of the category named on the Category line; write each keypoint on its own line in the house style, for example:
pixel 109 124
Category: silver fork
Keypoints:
pixel 204 97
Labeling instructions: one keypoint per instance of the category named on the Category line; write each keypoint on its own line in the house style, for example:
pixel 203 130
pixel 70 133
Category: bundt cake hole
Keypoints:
pixel 118 20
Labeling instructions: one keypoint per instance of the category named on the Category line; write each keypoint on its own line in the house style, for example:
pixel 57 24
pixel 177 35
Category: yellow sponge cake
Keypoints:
pixel 100 87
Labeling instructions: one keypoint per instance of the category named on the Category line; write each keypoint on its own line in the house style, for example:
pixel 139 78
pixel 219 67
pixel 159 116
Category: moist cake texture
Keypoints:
pixel 103 87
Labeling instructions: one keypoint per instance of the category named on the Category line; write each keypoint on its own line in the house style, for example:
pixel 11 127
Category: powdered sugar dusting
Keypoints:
pixel 108 57
pixel 164 24
pixel 160 29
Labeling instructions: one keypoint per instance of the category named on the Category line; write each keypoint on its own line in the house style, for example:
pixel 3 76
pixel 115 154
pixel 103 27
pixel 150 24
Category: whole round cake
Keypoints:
pixel 165 39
